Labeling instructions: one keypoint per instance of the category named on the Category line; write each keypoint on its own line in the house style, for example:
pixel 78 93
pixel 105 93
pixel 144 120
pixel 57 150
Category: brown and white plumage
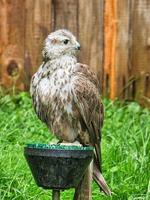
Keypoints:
pixel 66 96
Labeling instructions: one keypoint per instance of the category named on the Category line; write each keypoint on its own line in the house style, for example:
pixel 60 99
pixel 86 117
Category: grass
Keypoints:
pixel 125 150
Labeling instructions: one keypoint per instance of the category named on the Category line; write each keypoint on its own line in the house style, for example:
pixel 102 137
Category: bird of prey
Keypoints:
pixel 66 96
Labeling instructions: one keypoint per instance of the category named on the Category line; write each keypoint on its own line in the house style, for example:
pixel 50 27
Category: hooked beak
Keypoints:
pixel 77 46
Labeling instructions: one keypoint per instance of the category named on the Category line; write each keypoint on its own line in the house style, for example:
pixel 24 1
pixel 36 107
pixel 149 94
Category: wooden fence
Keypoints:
pixel 114 36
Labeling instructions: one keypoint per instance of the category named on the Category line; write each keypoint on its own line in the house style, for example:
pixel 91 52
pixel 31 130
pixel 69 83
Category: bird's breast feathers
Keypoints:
pixel 55 89
pixel 55 86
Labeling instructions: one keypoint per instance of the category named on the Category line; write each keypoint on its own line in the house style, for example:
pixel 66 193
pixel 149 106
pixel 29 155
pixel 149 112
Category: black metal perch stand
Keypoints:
pixel 57 167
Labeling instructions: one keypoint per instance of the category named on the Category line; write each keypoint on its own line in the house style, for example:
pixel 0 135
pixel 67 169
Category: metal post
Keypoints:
pixel 56 195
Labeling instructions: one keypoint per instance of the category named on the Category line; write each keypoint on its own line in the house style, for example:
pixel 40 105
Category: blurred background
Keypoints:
pixel 115 43
pixel 114 36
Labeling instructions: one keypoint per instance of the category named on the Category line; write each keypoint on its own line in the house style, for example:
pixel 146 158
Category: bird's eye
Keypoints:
pixel 66 41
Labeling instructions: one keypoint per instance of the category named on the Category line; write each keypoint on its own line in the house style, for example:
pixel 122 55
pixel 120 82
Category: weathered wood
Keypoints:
pixel 65 15
pixel 56 195
pixel 140 48
pixel 90 31
pixel 12 43
pixel 116 47
pixel 118 53
pixel 122 48
pixel 110 33
pixel 85 192
pixel 38 23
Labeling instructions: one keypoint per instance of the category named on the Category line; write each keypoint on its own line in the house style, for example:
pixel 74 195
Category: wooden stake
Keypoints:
pixel 56 195
pixel 86 186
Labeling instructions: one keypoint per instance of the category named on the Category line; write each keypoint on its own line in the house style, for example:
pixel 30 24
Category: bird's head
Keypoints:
pixel 60 42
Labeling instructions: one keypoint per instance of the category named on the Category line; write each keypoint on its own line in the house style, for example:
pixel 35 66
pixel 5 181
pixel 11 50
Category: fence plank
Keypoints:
pixel 122 49
pixel 90 22
pixel 116 57
pixel 38 25
pixel 110 34
pixel 140 49
pixel 12 43
pixel 65 15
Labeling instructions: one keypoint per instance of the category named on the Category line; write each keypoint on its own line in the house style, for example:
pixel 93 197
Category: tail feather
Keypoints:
pixel 100 180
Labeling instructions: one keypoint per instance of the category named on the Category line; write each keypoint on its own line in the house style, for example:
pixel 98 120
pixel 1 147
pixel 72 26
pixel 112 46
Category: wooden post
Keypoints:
pixel 85 192
pixel 56 195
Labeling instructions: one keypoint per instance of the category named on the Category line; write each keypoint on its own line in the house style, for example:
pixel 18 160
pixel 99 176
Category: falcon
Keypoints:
pixel 66 96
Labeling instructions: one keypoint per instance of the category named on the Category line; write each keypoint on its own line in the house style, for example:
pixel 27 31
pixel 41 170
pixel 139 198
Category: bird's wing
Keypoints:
pixel 87 99
pixel 36 94
pixel 86 93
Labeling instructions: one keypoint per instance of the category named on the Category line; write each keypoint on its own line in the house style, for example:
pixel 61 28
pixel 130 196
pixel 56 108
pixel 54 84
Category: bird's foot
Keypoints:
pixel 76 143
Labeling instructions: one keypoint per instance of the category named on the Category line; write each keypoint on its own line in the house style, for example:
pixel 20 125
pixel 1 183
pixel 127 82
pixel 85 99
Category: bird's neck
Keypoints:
pixel 64 61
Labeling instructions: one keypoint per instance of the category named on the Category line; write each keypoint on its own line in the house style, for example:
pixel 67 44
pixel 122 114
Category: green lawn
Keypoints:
pixel 125 150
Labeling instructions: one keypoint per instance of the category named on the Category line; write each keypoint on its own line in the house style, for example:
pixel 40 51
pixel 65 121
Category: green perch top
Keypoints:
pixel 58 147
